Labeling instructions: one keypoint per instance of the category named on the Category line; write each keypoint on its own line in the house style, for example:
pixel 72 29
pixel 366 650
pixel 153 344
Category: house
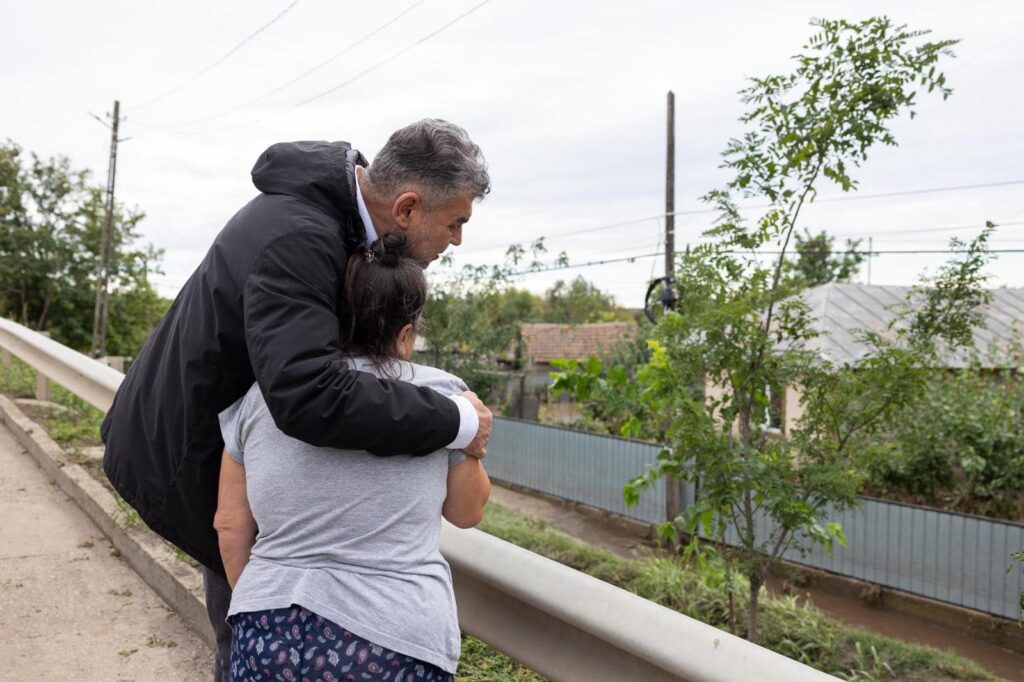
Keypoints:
pixel 542 343
pixel 841 310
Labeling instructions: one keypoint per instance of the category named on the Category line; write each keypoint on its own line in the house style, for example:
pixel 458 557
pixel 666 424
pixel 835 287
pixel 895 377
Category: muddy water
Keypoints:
pixel 620 540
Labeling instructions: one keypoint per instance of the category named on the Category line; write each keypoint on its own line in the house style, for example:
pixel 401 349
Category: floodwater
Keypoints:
pixel 622 541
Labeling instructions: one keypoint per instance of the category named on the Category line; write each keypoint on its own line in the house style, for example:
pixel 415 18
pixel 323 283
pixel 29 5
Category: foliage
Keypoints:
pixel 472 317
pixel 51 224
pixel 817 263
pixel 580 302
pixel 959 447
pixel 607 393
pixel 719 362
pixel 75 425
pixel 699 590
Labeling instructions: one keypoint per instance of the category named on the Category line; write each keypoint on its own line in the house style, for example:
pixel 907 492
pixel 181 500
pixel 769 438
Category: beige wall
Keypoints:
pixel 793 409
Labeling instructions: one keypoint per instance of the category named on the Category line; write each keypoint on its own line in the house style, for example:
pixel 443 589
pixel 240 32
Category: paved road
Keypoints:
pixel 69 609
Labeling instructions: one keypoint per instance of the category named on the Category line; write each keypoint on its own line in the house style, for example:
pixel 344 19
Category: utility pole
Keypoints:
pixel 99 321
pixel 669 297
pixel 673 501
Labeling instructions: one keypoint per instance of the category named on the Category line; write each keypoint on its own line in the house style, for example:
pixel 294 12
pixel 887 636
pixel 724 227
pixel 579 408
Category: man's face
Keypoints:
pixel 431 231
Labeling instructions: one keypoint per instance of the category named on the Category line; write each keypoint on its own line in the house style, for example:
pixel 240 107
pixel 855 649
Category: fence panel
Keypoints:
pixel 949 557
pixel 574 465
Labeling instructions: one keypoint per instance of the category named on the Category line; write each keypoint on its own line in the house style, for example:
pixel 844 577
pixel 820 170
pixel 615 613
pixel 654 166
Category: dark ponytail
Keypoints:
pixel 384 290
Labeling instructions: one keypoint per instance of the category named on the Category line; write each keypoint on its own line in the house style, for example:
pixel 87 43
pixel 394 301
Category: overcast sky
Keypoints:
pixel 567 100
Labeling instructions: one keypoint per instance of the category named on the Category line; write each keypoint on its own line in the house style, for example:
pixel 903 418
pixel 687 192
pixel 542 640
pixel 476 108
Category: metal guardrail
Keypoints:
pixel 557 621
pixel 954 558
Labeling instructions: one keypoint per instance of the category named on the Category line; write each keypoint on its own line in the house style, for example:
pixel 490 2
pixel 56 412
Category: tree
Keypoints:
pixel 472 318
pixel 51 223
pixel 580 302
pixel 738 335
pixel 817 263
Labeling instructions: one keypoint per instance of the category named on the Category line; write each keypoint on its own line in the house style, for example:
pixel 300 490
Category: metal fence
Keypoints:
pixel 949 557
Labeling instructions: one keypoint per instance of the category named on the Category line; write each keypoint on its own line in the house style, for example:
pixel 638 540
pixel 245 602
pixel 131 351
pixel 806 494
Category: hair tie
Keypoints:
pixel 370 256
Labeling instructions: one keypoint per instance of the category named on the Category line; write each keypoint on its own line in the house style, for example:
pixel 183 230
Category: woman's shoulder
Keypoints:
pixel 250 404
pixel 413 373
pixel 436 378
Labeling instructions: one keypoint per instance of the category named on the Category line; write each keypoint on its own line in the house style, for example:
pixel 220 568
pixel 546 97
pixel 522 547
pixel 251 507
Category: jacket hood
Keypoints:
pixel 320 173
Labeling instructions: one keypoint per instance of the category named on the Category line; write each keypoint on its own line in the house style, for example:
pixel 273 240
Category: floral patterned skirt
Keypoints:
pixel 296 645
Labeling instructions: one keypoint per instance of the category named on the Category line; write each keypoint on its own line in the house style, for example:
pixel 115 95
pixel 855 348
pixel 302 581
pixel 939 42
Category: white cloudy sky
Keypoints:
pixel 565 97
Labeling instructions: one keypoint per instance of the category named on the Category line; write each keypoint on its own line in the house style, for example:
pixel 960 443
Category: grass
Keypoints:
pixel 480 663
pixel 801 632
pixel 75 427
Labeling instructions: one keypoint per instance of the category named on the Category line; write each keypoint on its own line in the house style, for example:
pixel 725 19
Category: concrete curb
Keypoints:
pixel 177 583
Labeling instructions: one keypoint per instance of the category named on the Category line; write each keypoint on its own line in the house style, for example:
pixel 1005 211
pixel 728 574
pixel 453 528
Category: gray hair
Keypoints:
pixel 433 156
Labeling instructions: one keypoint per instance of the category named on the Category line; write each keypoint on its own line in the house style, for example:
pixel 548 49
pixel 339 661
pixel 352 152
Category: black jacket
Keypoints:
pixel 262 306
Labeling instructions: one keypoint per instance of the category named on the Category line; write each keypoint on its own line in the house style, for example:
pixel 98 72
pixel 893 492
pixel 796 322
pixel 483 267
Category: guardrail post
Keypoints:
pixel 114 361
pixel 42 382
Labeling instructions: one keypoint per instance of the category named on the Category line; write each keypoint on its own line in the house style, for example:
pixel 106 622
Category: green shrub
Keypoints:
pixel 960 447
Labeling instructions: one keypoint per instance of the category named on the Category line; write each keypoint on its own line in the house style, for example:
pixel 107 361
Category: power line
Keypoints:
pixel 343 84
pixel 708 211
pixel 951 228
pixel 876 252
pixel 302 75
pixel 218 61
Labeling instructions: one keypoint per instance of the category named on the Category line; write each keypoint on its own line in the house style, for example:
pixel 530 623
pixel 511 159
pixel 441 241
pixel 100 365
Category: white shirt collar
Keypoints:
pixel 364 215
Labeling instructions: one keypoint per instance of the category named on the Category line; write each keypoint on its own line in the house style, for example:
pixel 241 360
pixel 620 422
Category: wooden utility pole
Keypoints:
pixel 99 321
pixel 670 194
pixel 673 503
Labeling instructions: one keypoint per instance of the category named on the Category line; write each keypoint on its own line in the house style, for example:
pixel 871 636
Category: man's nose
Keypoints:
pixel 456 238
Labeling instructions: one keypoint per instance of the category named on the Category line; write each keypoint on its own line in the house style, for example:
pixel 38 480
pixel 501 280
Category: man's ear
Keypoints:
pixel 407 209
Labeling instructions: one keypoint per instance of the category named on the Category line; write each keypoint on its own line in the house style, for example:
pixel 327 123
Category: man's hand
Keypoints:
pixel 478 446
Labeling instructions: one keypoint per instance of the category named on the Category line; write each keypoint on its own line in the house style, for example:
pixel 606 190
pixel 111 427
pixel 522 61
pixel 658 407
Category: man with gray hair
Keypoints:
pixel 263 307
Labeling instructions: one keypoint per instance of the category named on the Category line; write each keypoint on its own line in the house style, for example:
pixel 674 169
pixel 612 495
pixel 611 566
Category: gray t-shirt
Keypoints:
pixel 348 535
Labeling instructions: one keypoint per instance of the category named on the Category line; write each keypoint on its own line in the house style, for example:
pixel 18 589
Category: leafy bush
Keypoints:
pixel 960 447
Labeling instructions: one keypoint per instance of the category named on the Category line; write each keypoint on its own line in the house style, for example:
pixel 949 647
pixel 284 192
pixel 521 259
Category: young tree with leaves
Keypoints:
pixel 738 334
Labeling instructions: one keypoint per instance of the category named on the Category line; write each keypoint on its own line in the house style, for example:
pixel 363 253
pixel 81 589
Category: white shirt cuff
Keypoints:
pixel 469 422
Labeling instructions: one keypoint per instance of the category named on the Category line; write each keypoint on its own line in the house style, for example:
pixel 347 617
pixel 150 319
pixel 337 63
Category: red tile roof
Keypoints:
pixel 547 342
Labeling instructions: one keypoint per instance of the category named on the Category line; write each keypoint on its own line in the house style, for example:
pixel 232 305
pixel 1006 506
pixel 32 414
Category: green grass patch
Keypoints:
pixel 481 663
pixel 76 426
pixel 799 631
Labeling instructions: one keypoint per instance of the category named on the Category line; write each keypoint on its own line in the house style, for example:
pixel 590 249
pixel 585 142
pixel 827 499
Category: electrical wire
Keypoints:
pixel 216 62
pixel 708 211
pixel 343 84
pixel 874 252
pixel 301 76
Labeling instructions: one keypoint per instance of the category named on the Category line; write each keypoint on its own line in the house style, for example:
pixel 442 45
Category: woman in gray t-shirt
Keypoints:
pixel 333 555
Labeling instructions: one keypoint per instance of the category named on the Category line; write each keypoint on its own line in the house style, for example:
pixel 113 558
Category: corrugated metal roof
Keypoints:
pixel 841 311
